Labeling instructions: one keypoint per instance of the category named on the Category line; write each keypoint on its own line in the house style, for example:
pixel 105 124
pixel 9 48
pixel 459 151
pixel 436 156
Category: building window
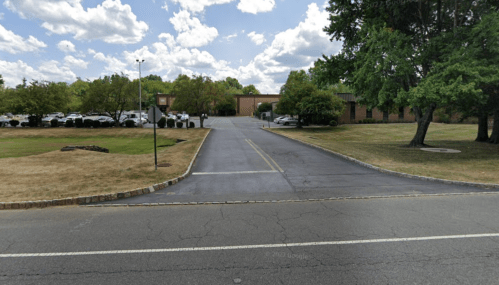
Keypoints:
pixel 385 116
pixel 401 113
pixel 369 114
pixel 352 110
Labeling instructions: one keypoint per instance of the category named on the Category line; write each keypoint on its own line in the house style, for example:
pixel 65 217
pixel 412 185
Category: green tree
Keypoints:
pixel 152 77
pixel 264 107
pixel 195 95
pixel 321 107
pixel 1 81
pixel 227 105
pixel 40 98
pixel 250 88
pixel 230 82
pixel 395 47
pixel 297 87
pixel 111 95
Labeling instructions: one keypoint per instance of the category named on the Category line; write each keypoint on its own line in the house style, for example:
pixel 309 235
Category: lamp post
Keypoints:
pixel 140 95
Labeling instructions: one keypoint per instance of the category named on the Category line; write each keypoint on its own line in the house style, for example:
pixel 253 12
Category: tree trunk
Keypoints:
pixel 298 125
pixel 494 137
pixel 483 127
pixel 423 124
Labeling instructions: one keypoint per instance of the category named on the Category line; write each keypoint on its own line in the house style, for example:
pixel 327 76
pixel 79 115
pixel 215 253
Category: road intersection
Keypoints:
pixel 446 239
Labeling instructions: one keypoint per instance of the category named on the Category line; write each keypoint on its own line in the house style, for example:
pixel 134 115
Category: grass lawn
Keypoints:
pixel 384 145
pixel 32 167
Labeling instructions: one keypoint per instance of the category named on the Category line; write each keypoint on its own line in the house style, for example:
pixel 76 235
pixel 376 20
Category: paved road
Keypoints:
pixel 385 259
pixel 239 161
pixel 427 240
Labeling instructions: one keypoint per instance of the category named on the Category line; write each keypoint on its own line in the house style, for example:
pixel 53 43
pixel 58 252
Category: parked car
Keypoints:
pixel 182 117
pixel 46 121
pixel 278 119
pixel 102 119
pixel 4 121
pixel 71 116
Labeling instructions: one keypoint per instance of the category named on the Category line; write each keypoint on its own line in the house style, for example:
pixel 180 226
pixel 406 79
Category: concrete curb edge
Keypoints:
pixel 104 197
pixel 391 172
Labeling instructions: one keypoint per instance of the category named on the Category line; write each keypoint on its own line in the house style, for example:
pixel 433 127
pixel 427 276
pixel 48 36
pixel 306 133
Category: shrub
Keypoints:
pixel 14 123
pixel 79 122
pixel 32 121
pixel 162 122
pixel 24 124
pixel 96 124
pixel 170 123
pixel 179 125
pixel 105 124
pixel 54 122
pixel 69 124
pixel 129 123
pixel 192 125
pixel 333 123
pixel 88 123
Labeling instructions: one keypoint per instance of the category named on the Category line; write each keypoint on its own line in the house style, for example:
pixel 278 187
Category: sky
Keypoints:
pixel 256 41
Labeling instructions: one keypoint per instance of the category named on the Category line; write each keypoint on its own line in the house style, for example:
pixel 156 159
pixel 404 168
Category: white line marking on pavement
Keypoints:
pixel 256 246
pixel 235 172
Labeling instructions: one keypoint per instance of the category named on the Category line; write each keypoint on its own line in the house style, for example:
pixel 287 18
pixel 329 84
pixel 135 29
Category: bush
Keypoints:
pixel 170 123
pixel 24 124
pixel 96 124
pixel 14 123
pixel 179 125
pixel 54 123
pixel 79 122
pixel 333 123
pixel 88 123
pixel 32 121
pixel 129 123
pixel 69 124
pixel 105 124
pixel 162 122
pixel 192 125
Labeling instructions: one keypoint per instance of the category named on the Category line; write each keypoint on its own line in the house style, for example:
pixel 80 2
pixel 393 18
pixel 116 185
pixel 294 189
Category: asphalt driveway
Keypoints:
pixel 239 161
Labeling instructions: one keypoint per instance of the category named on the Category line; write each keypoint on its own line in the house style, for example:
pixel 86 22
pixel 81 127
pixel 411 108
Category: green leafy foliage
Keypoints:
pixel 14 123
pixel 69 124
pixel 250 88
pixel 162 122
pixel 79 122
pixel 88 123
pixel 179 125
pixel 96 124
pixel 264 107
pixel 105 124
pixel 170 123
pixel 192 125
pixel 54 123
pixel 226 106
pixel 129 123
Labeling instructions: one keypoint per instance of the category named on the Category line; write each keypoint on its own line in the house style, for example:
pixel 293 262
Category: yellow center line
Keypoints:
pixel 277 165
pixel 250 143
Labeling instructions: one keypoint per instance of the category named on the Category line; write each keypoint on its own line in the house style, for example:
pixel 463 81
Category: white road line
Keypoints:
pixel 235 172
pixel 256 246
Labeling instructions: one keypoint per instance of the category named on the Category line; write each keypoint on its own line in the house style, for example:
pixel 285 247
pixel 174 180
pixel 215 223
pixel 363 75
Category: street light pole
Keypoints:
pixel 140 96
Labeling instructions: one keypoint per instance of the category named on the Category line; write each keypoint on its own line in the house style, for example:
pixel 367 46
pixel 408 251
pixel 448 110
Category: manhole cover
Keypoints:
pixel 441 150
pixel 164 165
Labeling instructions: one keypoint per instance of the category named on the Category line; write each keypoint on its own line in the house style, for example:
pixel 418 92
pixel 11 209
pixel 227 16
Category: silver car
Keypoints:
pixel 278 119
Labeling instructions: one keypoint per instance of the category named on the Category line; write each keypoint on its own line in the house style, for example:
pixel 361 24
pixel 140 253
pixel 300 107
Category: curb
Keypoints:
pixel 391 172
pixel 104 197
pixel 292 201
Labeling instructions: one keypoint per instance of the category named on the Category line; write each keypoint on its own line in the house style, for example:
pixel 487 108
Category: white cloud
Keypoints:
pixel 191 32
pixel 256 6
pixel 169 39
pixel 165 6
pixel 110 22
pixel 74 62
pixel 114 65
pixel 66 46
pixel 229 37
pixel 14 72
pixel 13 43
pixel 197 6
pixel 258 39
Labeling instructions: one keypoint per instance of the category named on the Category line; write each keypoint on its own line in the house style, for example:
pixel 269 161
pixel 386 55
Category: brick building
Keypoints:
pixel 247 104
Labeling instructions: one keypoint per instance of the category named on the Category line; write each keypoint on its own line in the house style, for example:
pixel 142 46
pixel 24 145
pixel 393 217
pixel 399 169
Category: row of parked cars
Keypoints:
pixel 61 119
pixel 286 121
